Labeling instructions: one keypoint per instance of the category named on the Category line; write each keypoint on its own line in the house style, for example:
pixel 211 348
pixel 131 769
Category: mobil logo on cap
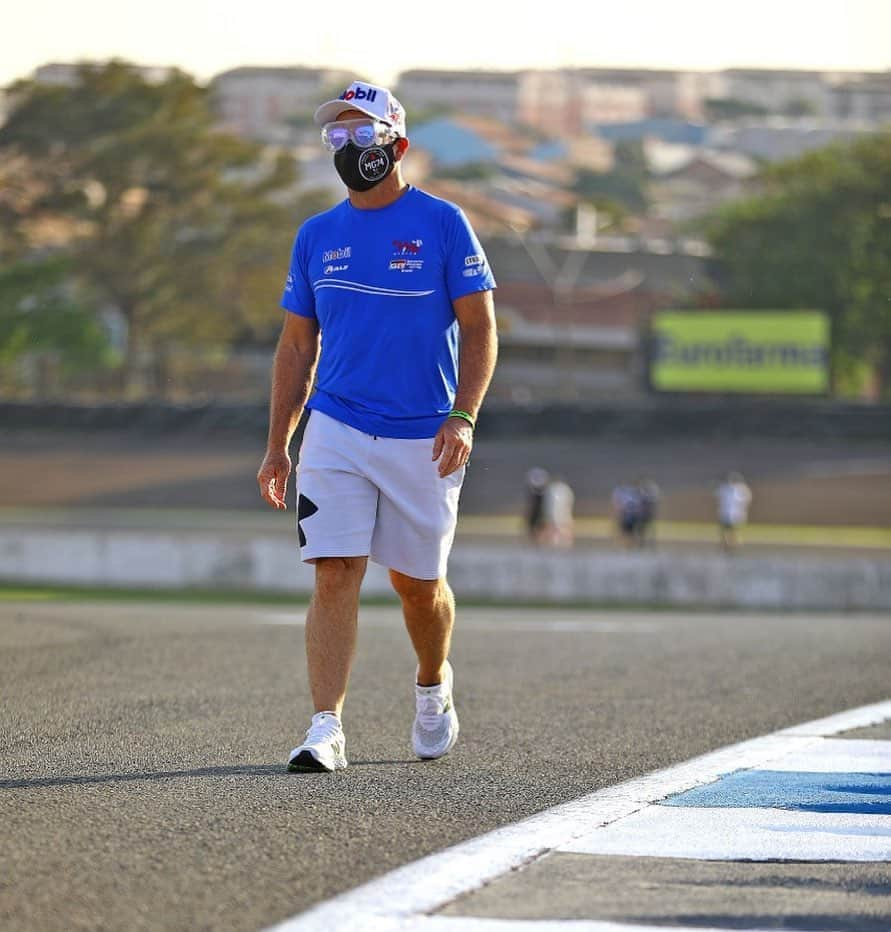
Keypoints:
pixel 357 92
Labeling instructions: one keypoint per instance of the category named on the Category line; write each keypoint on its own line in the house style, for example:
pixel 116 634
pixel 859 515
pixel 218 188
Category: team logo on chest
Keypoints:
pixel 333 259
pixel 406 255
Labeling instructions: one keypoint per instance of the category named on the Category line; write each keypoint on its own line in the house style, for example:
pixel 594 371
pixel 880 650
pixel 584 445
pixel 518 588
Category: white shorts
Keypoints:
pixel 381 497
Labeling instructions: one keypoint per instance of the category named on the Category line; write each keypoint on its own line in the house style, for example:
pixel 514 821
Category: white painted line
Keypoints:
pixel 471 924
pixel 844 721
pixel 402 898
pixel 839 755
pixel 741 835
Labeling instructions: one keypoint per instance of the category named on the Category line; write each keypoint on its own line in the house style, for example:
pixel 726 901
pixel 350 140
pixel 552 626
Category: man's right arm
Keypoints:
pixel 292 375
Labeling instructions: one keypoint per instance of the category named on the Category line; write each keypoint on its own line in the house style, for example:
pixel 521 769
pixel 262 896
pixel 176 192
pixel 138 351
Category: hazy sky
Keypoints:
pixel 377 40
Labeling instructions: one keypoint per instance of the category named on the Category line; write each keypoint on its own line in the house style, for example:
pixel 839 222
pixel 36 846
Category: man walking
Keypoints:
pixel 389 308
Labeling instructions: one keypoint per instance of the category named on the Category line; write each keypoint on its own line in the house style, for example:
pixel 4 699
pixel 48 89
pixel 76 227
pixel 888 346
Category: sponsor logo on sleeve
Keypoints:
pixel 474 265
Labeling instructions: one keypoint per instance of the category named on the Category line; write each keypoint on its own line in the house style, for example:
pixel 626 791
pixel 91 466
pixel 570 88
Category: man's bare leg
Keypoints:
pixel 428 607
pixel 331 628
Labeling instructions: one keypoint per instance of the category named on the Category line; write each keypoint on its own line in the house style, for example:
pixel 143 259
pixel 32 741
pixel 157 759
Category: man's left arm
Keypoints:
pixel 476 363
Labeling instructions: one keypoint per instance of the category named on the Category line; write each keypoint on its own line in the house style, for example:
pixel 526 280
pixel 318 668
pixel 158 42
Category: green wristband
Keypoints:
pixel 463 415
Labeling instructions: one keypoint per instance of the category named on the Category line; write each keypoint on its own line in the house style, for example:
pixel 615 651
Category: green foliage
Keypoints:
pixel 474 171
pixel 799 107
pixel 181 228
pixel 819 236
pixel 42 316
pixel 719 109
pixel 625 186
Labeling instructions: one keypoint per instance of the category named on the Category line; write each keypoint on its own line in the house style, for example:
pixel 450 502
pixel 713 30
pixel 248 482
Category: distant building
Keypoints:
pixel 589 152
pixel 665 129
pixel 544 191
pixel 491 94
pixel 865 99
pixel 679 94
pixel 569 100
pixel 571 320
pixel 612 103
pixel 263 103
pixel 565 101
pixel 451 143
pixel 488 215
pixel 779 91
pixel 776 139
pixel 689 182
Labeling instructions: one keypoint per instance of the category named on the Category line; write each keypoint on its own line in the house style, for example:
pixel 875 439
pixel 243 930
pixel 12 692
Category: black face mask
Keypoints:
pixel 362 169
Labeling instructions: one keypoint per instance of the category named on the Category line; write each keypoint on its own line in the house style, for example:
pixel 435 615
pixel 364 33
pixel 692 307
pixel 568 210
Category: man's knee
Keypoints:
pixel 339 572
pixel 418 591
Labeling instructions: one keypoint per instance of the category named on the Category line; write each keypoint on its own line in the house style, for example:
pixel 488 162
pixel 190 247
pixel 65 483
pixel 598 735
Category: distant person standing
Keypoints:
pixel 734 499
pixel 558 518
pixel 626 510
pixel 536 483
pixel 648 496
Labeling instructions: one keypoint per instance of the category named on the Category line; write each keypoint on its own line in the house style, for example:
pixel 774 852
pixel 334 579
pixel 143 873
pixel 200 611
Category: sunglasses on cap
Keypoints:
pixel 364 133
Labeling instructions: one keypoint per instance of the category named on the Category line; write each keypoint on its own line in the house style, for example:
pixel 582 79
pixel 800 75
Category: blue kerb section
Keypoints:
pixel 867 793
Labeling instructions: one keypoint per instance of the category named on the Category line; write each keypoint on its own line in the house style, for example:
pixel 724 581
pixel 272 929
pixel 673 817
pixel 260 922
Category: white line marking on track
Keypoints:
pixel 469 924
pixel 404 898
pixel 841 755
pixel 741 835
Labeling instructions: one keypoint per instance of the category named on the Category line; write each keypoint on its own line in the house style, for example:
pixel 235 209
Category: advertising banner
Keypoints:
pixel 778 352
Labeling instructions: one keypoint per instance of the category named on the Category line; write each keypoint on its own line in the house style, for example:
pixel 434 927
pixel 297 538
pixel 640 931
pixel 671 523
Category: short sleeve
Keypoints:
pixel 298 297
pixel 467 268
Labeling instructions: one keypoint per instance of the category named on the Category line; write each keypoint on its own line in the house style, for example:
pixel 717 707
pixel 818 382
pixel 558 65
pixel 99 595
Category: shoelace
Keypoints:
pixel 430 710
pixel 323 731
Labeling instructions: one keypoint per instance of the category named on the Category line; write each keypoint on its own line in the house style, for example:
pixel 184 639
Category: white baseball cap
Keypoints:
pixel 377 102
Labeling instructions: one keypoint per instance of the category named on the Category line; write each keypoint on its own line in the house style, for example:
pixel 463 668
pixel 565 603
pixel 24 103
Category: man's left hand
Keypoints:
pixel 452 445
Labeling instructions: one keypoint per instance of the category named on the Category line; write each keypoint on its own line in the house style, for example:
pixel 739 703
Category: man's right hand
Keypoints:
pixel 273 478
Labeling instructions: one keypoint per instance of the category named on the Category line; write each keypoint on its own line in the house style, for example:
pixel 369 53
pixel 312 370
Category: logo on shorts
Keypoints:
pixel 306 508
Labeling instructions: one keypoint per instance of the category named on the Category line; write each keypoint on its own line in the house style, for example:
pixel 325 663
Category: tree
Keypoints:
pixel 718 109
pixel 625 186
pixel 149 202
pixel 42 319
pixel 818 235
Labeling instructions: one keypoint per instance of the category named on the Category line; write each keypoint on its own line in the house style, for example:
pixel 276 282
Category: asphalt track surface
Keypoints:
pixel 142 783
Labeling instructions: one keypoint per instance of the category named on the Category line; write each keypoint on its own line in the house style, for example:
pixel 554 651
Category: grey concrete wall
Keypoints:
pixel 146 559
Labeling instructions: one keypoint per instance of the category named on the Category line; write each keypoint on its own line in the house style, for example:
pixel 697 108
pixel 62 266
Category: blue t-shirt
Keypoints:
pixel 381 284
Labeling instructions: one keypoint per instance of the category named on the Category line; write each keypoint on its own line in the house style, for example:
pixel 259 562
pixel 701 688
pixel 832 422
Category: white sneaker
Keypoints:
pixel 436 724
pixel 323 750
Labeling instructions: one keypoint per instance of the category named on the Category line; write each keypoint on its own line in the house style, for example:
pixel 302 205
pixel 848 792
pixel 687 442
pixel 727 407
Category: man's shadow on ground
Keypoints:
pixel 236 770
